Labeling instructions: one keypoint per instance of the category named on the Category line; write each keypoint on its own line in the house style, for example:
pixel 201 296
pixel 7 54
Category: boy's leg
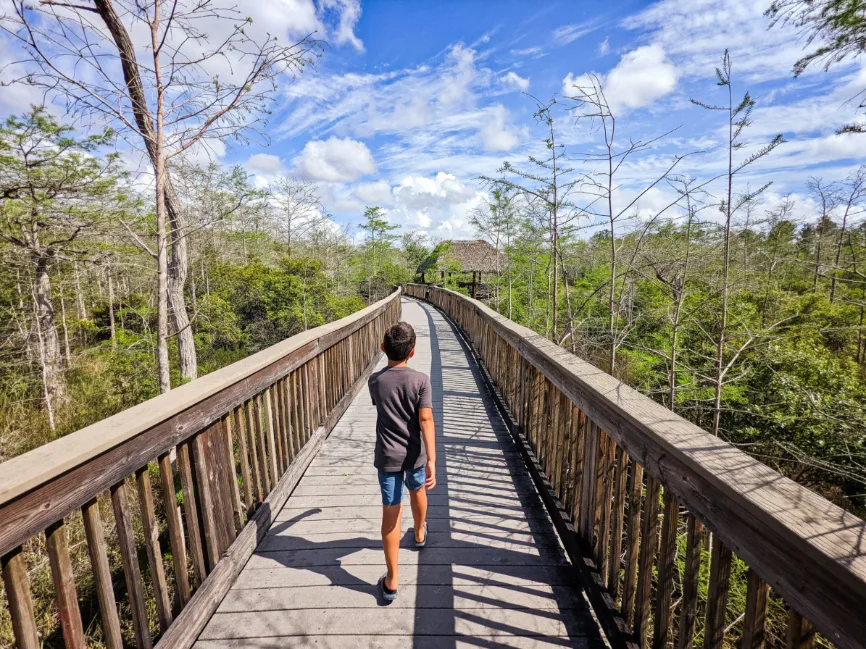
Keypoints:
pixel 418 499
pixel 391 515
pixel 391 485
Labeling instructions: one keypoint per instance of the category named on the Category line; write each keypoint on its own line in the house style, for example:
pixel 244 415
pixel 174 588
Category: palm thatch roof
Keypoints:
pixel 476 256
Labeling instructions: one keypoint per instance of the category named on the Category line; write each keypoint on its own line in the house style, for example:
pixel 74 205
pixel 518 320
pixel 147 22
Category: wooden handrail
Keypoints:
pixel 261 419
pixel 607 450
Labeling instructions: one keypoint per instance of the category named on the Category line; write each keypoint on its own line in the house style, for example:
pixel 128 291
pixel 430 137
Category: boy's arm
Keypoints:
pixel 428 432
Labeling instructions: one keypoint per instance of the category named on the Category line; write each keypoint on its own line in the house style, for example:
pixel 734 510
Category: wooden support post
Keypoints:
pixel 17 585
pixel 64 586
pixel 717 594
pixel 102 574
pixel 190 508
pixel 688 611
pixel 175 529
pixel 666 567
pixel 131 572
pixel 756 612
pixel 154 552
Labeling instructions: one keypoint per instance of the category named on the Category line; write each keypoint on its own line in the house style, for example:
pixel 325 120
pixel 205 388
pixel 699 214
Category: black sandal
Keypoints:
pixel 387 594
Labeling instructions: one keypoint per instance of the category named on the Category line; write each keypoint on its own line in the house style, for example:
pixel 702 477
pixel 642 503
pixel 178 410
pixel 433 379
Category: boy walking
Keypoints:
pixel 405 446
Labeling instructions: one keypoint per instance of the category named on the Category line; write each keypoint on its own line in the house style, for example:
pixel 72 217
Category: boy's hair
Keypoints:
pixel 399 341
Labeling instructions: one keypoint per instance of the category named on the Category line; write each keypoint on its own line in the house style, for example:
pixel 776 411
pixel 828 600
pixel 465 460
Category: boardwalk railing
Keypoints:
pixel 634 488
pixel 262 419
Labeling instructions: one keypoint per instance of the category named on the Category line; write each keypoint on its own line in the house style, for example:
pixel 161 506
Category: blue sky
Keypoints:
pixel 412 101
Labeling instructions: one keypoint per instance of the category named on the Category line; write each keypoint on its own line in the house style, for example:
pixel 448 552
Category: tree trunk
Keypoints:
pixel 82 311
pixel 49 342
pixel 65 330
pixel 111 309
pixel 178 269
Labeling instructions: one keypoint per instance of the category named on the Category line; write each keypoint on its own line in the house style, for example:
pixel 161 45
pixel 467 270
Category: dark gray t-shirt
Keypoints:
pixel 398 394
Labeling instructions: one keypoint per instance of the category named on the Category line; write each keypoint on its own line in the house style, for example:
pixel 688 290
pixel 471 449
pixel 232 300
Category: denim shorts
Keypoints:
pixel 391 484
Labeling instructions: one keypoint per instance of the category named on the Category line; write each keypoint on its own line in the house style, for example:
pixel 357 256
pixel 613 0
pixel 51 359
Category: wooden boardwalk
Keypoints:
pixel 493 573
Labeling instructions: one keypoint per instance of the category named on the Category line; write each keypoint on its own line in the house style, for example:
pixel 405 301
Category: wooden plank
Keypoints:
pixel 175 529
pixel 618 513
pixel 131 572
pixel 154 552
pixel 666 567
pixel 232 385
pixel 193 618
pixel 65 594
pixel 588 487
pixel 264 464
pixel 191 514
pixel 691 573
pixel 102 574
pixel 237 506
pixel 735 495
pixel 210 531
pixel 648 546
pixel 801 634
pixel 717 594
pixel 754 633
pixel 273 451
pixel 606 503
pixel 244 457
pixel 17 585
pixel 254 450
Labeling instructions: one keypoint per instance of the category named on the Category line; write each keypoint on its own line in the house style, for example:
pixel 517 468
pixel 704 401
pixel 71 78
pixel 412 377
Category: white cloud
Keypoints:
pixel 265 164
pixel 604 47
pixel 335 160
pixel 641 77
pixel 515 81
pixel 495 134
pixel 440 203
pixel 568 33
pixel 349 12
pixel 377 193
pixel 696 33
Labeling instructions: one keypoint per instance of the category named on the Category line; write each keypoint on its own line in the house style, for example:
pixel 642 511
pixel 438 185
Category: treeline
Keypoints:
pixel 79 323
pixel 722 304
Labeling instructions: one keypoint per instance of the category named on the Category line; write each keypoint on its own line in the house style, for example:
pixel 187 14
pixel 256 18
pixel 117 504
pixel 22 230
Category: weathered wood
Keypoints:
pixel 717 594
pixel 237 505
pixel 688 611
pixel 666 566
pixel 131 572
pixel 735 495
pixel 264 464
pixel 243 451
pixel 193 618
pixel 154 552
pixel 191 513
pixel 648 547
pixel 756 612
pixel 590 478
pixel 252 435
pixel 801 634
pixel 101 574
pixel 17 585
pixel 618 513
pixel 210 531
pixel 65 594
pixel 273 450
pixel 175 529
pixel 606 503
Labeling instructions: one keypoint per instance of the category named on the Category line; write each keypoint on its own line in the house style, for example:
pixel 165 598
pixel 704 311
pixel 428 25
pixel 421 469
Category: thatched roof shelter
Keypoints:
pixel 476 256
